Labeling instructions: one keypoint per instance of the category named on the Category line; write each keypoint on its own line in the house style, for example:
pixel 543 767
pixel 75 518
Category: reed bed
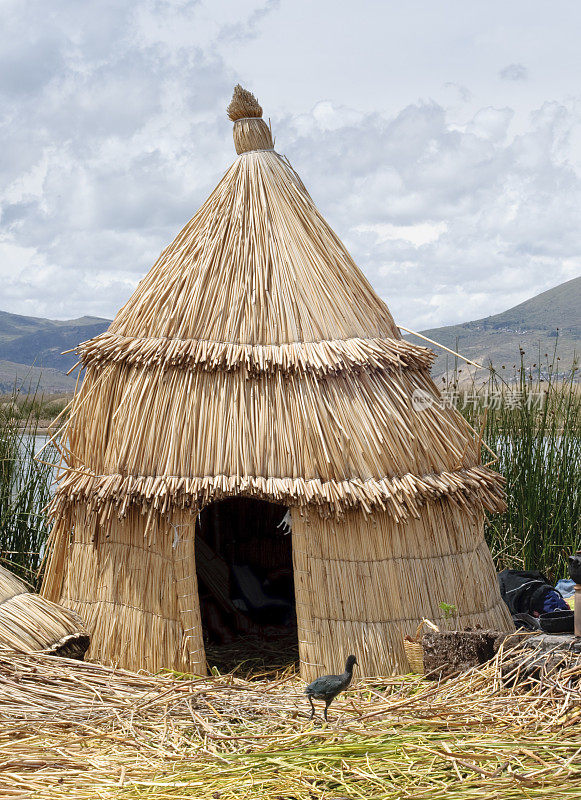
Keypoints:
pixel 28 405
pixel 24 487
pixel 533 421
pixel 82 730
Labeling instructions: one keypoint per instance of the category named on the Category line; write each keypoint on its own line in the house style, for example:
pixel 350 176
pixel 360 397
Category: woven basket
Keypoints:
pixel 414 649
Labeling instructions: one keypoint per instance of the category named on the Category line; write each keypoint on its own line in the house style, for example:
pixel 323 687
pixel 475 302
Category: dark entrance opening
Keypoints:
pixel 246 587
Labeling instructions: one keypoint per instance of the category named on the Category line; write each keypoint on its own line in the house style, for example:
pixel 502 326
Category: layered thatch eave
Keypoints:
pixel 401 497
pixel 355 425
pixel 163 437
pixel 328 357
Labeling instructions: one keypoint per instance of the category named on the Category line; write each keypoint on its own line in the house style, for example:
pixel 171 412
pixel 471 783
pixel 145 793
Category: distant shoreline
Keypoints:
pixel 42 429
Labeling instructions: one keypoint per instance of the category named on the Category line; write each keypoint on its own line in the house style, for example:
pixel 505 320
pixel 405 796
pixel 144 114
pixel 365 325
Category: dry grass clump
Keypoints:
pixel 243 104
pixel 83 730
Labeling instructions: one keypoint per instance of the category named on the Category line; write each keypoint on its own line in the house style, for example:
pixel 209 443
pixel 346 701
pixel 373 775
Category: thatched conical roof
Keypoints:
pixel 256 358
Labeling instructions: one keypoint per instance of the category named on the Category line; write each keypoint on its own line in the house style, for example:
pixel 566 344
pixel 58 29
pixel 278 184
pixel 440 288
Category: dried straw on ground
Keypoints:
pixel 29 623
pixel 255 359
pixel 81 730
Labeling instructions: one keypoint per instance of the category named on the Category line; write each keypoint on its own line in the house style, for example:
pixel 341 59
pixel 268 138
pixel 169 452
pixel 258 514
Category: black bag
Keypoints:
pixel 523 591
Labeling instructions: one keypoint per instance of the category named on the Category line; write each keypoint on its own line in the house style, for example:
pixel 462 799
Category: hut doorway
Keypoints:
pixel 245 582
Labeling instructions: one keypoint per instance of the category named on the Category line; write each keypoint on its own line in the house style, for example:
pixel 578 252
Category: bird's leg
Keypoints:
pixel 327 704
pixel 312 706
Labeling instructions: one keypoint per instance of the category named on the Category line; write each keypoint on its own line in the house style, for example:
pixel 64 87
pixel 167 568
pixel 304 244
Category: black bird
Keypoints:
pixel 329 686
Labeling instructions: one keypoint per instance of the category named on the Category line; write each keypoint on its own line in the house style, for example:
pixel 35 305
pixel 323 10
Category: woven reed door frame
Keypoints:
pixel 363 583
pixel 188 598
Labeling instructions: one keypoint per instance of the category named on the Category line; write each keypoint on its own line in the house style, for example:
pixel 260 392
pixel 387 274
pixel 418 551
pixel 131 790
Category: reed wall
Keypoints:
pixel 134 583
pixel 363 583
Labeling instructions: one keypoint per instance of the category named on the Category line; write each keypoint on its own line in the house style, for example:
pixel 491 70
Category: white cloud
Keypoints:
pixel 490 123
pixel 514 72
pixel 450 223
pixel 416 234
pixel 114 131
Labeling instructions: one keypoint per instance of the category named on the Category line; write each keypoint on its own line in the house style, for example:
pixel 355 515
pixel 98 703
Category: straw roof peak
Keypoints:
pixel 251 133
pixel 243 104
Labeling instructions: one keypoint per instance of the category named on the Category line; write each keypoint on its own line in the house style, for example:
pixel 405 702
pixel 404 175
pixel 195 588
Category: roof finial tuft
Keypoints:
pixel 243 104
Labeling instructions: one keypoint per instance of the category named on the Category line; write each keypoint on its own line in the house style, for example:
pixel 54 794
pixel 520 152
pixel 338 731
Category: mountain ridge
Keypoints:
pixel 534 326
pixel 31 350
pixel 31 347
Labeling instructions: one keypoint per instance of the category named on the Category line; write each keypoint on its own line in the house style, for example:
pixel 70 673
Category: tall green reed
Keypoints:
pixel 533 423
pixel 24 490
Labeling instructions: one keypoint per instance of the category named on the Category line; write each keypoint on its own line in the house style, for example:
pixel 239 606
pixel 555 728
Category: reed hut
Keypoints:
pixel 32 624
pixel 254 368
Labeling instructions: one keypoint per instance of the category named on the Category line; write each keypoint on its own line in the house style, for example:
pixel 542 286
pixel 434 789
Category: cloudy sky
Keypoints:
pixel 440 139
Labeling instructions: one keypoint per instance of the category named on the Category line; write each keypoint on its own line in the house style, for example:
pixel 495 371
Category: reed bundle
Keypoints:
pixel 256 359
pixel 243 104
pixel 81 730
pixel 30 623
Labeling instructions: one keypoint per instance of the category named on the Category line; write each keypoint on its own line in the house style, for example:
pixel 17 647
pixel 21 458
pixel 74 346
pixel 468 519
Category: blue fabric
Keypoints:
pixel 553 601
pixel 566 587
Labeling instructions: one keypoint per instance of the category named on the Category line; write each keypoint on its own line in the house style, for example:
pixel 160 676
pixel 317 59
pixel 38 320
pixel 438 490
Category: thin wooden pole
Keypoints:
pixel 443 347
